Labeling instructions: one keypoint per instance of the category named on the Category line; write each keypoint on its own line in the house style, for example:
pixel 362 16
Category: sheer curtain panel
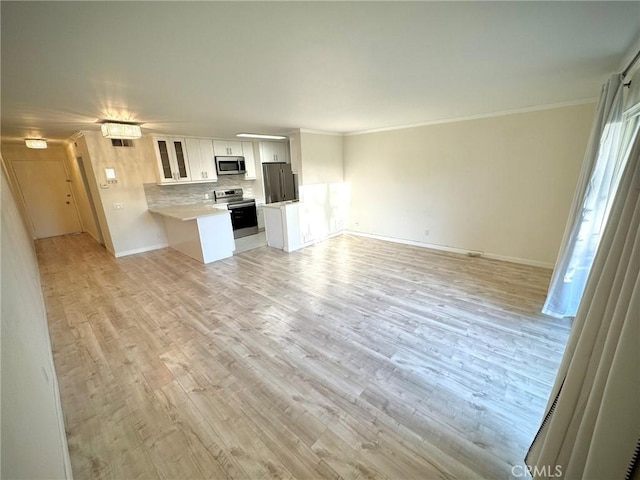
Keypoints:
pixel 591 202
pixel 592 425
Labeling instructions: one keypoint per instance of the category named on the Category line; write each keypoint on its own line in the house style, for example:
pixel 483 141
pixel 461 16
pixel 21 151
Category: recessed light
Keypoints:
pixel 260 135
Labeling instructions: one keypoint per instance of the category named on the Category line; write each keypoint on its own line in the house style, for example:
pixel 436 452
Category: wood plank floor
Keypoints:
pixel 354 358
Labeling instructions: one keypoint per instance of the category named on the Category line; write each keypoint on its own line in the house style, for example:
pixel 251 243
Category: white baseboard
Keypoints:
pixel 141 250
pixel 445 248
pixel 93 236
pixel 317 240
pixel 522 261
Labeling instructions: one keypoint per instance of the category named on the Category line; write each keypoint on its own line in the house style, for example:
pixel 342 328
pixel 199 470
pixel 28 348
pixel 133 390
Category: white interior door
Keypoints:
pixel 48 197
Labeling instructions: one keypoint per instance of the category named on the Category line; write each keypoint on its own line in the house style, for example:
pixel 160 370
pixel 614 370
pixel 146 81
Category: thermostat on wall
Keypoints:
pixel 110 173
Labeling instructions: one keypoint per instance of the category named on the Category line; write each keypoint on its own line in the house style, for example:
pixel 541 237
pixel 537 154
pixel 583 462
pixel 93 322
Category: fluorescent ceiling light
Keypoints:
pixel 259 135
pixel 125 131
pixel 36 143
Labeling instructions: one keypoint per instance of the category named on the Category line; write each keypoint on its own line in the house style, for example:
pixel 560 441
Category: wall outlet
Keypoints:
pixel 427 232
pixel 118 206
pixel 206 196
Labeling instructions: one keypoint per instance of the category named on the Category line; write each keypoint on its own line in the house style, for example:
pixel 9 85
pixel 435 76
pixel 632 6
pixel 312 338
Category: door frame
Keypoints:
pixel 92 205
pixel 25 208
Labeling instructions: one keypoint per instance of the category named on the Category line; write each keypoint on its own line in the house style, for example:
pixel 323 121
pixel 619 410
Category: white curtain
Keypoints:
pixel 592 425
pixel 591 203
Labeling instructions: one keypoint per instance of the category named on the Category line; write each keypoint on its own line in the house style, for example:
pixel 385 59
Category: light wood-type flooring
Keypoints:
pixel 353 358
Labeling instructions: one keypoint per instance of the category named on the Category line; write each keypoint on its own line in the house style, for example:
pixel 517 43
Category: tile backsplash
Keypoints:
pixel 159 196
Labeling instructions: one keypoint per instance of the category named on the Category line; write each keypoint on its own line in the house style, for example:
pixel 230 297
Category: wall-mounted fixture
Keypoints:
pixel 110 175
pixel 261 136
pixel 35 143
pixel 127 131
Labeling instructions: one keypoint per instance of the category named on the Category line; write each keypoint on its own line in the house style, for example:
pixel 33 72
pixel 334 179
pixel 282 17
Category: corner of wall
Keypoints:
pixel 131 227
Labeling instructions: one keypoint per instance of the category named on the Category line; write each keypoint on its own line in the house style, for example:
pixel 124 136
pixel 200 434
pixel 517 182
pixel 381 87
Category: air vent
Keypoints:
pixel 119 142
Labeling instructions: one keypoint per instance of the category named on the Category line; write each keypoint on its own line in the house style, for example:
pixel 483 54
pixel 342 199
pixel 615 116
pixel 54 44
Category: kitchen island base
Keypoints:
pixel 202 233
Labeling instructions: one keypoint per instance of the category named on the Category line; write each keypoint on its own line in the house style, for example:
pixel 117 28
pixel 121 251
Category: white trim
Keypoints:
pixel 75 136
pixel 93 236
pixel 317 240
pixel 628 56
pixel 445 248
pixel 66 457
pixel 522 261
pixel 321 132
pixel 479 116
pixel 141 250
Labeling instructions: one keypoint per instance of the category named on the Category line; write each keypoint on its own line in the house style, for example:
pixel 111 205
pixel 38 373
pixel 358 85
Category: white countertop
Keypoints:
pixel 192 211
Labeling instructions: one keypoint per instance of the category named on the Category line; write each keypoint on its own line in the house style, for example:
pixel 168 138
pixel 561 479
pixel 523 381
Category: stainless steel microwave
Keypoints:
pixel 230 165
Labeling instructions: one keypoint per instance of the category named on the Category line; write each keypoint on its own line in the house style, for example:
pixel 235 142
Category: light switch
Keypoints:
pixel 118 206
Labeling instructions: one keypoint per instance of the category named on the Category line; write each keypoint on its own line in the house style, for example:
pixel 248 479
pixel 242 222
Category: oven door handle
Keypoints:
pixel 240 205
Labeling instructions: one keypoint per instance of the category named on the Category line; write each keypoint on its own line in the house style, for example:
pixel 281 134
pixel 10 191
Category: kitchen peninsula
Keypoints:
pixel 282 224
pixel 200 231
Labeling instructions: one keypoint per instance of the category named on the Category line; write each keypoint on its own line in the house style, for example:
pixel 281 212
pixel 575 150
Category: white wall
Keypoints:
pixel 501 185
pixel 17 152
pixel 131 229
pixel 322 158
pixel 33 441
pixel 78 148
pixel 324 197
pixel 81 195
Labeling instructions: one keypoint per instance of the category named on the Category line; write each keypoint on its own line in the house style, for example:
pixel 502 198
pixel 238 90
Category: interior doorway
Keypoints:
pixel 92 205
pixel 48 197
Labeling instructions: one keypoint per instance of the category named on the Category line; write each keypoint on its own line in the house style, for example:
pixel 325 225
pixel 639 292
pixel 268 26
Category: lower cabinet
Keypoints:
pixel 260 213
pixel 282 226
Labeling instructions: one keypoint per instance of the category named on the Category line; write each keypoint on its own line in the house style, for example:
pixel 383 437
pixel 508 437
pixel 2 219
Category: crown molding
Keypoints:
pixel 477 117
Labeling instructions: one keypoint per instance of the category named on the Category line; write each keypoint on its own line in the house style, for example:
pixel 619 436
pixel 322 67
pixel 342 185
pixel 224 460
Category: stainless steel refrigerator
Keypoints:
pixel 279 182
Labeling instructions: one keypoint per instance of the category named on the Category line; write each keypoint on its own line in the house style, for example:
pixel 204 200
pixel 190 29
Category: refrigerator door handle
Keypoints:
pixel 282 191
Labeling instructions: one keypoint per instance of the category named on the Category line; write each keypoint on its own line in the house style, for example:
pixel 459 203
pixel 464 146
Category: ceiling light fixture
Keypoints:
pixel 35 143
pixel 260 135
pixel 124 131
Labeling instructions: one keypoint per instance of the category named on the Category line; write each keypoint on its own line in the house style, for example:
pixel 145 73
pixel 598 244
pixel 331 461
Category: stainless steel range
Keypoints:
pixel 244 218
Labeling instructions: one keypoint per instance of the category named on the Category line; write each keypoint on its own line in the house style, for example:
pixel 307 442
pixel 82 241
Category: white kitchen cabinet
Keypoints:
pixel 273 152
pixel 201 162
pixel 282 225
pixel 249 161
pixel 200 232
pixel 173 163
pixel 260 215
pixel 227 148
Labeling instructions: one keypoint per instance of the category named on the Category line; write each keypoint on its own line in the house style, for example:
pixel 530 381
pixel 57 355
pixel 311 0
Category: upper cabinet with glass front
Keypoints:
pixel 173 164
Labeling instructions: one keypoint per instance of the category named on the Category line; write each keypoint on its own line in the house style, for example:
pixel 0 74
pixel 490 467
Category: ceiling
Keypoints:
pixel 219 68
